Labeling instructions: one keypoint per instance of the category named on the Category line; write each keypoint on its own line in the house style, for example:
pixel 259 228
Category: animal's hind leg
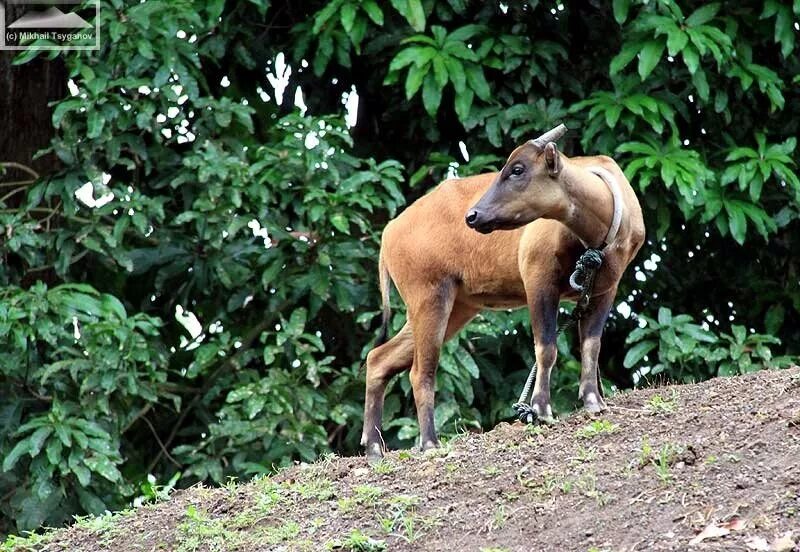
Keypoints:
pixel 383 362
pixel 429 321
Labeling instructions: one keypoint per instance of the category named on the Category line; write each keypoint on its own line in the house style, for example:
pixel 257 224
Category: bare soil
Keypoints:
pixel 662 469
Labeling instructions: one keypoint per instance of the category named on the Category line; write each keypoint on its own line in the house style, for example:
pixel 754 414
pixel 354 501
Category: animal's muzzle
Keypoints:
pixel 476 220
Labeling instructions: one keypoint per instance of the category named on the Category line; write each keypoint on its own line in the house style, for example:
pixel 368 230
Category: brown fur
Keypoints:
pixel 447 273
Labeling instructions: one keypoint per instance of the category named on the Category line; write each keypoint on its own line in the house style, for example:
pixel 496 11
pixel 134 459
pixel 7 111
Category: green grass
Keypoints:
pixel 597 427
pixel 661 405
pixel 356 541
pixel 384 467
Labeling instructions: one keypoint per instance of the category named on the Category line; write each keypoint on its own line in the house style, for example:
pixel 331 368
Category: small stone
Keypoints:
pixel 784 543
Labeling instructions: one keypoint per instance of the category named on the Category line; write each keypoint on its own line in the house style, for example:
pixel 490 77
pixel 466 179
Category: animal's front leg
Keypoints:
pixel 591 332
pixel 544 313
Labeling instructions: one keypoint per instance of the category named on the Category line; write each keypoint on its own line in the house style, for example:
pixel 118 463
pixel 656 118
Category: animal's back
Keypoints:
pixel 429 243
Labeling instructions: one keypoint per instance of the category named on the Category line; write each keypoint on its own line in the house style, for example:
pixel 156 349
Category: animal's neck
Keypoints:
pixel 590 209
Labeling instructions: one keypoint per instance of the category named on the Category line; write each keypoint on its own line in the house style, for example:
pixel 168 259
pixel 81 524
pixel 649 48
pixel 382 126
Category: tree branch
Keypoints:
pixel 20 167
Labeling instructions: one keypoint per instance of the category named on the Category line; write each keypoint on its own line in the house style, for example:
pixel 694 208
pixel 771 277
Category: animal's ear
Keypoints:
pixel 552 159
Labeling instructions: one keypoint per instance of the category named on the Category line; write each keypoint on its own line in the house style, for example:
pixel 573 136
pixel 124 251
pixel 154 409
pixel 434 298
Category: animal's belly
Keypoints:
pixel 493 301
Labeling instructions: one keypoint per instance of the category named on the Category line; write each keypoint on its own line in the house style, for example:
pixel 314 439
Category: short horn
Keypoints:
pixel 550 136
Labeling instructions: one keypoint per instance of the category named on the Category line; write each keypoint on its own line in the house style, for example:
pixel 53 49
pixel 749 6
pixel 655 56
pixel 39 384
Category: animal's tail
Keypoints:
pixel 385 283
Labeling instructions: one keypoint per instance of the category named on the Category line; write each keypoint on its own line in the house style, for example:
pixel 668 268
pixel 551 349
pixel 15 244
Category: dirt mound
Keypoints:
pixel 712 466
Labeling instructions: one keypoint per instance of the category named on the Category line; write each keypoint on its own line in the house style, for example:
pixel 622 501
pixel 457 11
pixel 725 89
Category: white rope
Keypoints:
pixel 616 194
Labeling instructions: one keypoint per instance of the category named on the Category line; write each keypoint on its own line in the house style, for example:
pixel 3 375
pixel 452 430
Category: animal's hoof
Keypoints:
pixel 429 445
pixel 594 403
pixel 531 413
pixel 374 453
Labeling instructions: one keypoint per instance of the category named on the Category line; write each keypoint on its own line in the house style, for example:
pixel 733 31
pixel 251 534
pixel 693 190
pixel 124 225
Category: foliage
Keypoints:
pixel 78 371
pixel 219 257
pixel 687 351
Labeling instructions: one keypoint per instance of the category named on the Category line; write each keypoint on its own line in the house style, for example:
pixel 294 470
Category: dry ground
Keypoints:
pixel 652 473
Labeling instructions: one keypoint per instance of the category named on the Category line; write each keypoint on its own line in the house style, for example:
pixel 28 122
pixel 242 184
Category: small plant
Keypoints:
pixel 367 494
pixel 491 471
pixel 535 430
pixel 666 456
pixel 587 484
pixel 584 455
pixel 357 541
pixel 152 492
pixel 384 467
pixel 318 488
pixel 660 405
pixel 645 452
pixel 597 427
pixel 401 518
pixel 499 518
pixel 346 505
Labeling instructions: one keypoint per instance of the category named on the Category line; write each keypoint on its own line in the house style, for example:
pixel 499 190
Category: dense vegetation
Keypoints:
pixel 204 312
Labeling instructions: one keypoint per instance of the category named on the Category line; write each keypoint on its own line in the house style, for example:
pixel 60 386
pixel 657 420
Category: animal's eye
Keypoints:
pixel 517 170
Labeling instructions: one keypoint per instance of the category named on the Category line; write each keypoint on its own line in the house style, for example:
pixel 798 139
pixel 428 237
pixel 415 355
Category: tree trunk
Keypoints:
pixel 25 117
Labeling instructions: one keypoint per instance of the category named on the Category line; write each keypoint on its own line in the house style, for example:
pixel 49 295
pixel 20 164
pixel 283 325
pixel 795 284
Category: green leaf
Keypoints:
pixel 373 11
pixel 440 72
pixel 348 16
pixel 413 11
pixel 703 15
pixel 19 449
pixel 404 58
pixel 649 57
pixel 431 95
pixel 720 101
pixel 774 318
pixel 612 115
pixel 737 222
pixel 103 466
pixel 340 222
pixel 691 58
pixel 463 104
pixel 701 84
pixel 414 80
pixel 477 82
pixel 676 41
pixel 417 15
pixel 638 352
pixel 629 51
pixel 621 8
pixel 83 474
pixel 95 124
pixel 38 438
pixel 113 306
pixel 466 360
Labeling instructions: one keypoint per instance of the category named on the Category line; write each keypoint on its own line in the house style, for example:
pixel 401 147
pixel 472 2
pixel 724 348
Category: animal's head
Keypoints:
pixel 528 187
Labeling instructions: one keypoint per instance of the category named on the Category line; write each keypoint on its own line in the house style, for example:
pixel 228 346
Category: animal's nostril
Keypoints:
pixel 472 216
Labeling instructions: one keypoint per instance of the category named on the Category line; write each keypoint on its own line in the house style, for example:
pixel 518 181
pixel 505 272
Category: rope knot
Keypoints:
pixel 588 264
